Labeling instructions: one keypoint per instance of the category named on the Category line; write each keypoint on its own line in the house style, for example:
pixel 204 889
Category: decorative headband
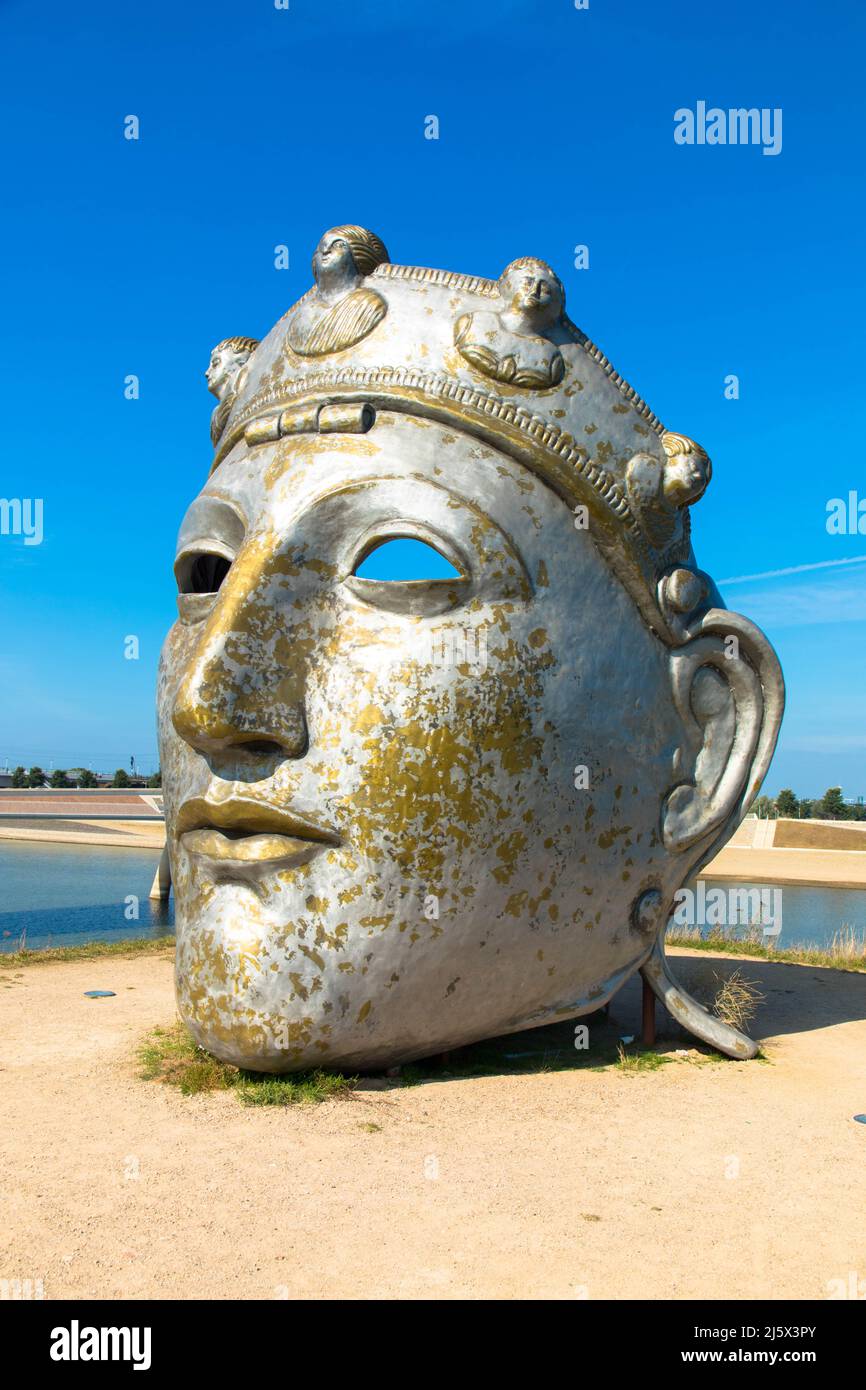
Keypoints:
pixel 499 360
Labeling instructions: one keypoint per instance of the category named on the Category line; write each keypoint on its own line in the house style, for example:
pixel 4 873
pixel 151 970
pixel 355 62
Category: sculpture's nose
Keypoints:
pixel 244 685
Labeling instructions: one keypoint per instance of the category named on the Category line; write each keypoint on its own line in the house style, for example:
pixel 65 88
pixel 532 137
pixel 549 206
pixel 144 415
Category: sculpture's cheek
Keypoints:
pixel 446 764
pixel 473 879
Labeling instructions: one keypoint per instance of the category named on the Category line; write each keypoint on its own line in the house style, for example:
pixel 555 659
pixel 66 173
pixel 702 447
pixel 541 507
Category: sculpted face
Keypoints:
pixel 403 816
pixel 333 263
pixel 685 478
pixel 534 296
pixel 370 787
pixel 225 363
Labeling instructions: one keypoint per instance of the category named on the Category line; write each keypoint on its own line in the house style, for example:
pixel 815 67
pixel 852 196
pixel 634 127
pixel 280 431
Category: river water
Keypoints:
pixel 66 895
pixel 807 916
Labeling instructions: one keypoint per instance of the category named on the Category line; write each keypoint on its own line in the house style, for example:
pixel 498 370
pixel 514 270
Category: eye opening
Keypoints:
pixel 411 554
pixel 201 571
pixel 431 579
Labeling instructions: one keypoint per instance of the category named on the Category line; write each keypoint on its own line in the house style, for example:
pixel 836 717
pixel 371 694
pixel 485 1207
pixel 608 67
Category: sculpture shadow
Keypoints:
pixel 795 999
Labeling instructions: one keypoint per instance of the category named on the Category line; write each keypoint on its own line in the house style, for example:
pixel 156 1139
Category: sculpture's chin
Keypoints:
pixel 243 994
pixel 232 1029
pixel 239 1035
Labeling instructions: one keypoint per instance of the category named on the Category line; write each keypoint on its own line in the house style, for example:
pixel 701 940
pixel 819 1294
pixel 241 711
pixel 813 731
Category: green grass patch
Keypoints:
pixel 92 950
pixel 646 1059
pixel 297 1088
pixel 171 1056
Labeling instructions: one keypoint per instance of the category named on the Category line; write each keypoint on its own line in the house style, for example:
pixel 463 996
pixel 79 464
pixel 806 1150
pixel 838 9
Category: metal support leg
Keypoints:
pixel 648 1037
pixel 656 972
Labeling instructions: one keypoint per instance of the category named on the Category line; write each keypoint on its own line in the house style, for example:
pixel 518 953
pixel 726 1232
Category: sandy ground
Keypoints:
pixel 698 1180
pixel 809 853
pixel 146 834
pixel 815 868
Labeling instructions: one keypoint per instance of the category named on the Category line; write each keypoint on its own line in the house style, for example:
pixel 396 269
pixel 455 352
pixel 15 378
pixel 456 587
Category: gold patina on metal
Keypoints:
pixel 404 815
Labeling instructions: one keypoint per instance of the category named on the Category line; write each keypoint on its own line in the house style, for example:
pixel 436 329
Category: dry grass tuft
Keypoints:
pixel 737 999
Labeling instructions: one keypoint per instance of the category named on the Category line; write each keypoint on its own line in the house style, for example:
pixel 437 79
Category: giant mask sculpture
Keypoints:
pixel 403 816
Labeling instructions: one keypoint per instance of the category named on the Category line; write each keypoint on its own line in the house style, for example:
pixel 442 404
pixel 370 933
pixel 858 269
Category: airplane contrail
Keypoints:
pixel 793 569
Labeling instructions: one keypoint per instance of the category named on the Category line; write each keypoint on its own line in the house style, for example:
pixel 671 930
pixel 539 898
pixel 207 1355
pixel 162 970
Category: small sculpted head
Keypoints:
pixel 533 293
pixel 227 360
pixel 687 472
pixel 344 256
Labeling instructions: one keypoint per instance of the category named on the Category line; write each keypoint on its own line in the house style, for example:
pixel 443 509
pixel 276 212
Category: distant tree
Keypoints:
pixel 19 777
pixel 786 803
pixel 831 806
pixel 88 778
pixel 763 807
pixel 155 780
pixel 807 809
pixel 59 778
pixel 121 778
pixel 36 777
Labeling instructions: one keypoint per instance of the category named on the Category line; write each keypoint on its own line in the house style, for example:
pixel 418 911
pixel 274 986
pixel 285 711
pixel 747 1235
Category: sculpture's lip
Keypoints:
pixel 275 851
pixel 245 817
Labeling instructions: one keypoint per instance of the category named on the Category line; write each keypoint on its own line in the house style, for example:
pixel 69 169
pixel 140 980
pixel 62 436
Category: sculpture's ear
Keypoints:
pixel 728 687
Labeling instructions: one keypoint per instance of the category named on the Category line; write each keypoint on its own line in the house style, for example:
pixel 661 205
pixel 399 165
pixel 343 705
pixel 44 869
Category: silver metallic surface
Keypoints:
pixel 405 816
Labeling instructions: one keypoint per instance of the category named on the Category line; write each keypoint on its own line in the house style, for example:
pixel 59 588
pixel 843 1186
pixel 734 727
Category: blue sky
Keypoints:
pixel 261 127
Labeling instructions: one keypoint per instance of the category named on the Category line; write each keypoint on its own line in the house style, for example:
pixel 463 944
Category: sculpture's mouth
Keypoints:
pixel 245 832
